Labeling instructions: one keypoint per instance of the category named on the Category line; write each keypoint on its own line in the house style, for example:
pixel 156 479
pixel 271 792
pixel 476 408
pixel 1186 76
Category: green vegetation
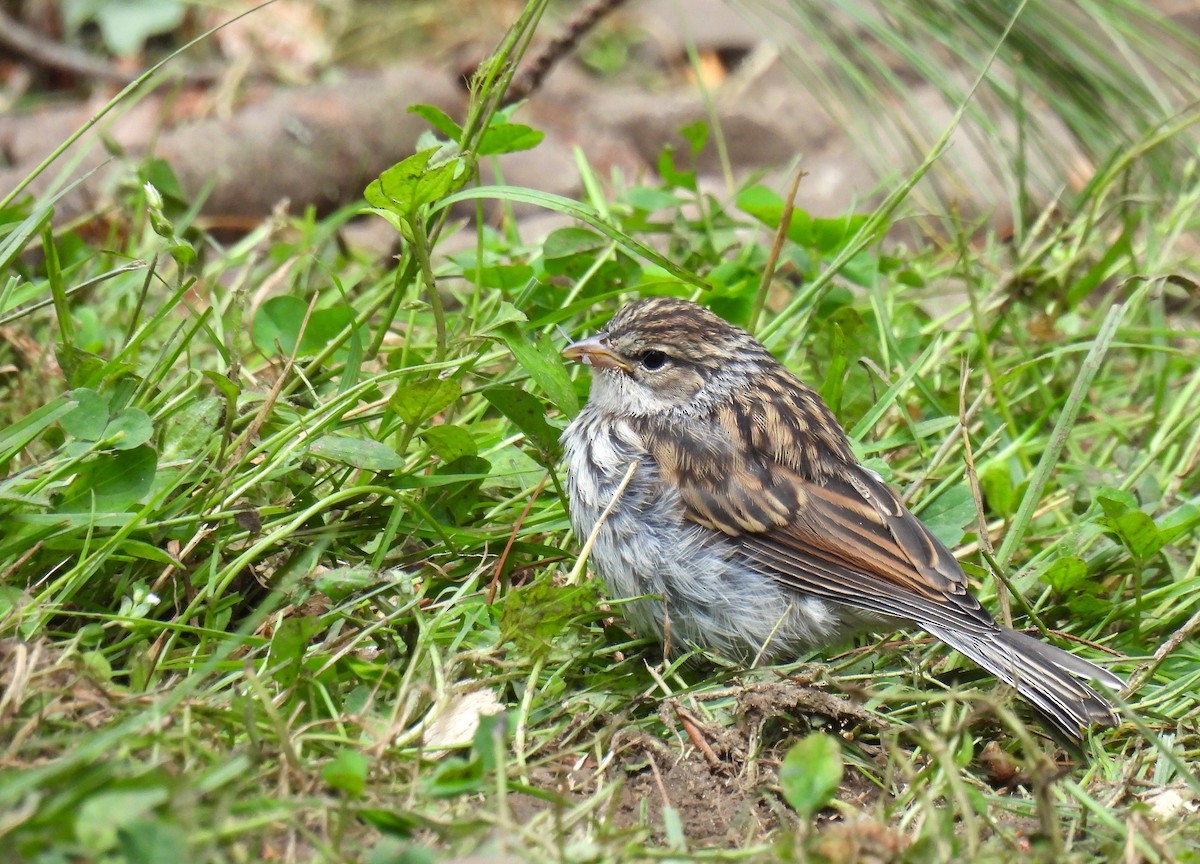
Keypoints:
pixel 277 522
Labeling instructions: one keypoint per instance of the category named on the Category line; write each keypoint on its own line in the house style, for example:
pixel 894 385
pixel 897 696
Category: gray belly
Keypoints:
pixel 692 586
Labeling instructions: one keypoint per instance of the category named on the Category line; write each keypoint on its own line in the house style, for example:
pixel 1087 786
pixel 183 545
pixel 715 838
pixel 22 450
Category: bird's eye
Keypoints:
pixel 652 359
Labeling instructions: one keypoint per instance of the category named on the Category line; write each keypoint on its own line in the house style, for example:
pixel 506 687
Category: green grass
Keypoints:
pixel 276 525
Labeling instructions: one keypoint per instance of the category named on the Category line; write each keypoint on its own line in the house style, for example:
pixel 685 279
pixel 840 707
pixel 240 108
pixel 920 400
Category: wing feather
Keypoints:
pixel 813 516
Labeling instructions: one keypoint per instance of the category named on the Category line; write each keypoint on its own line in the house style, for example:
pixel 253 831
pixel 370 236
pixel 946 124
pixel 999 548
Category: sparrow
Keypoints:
pixel 724 501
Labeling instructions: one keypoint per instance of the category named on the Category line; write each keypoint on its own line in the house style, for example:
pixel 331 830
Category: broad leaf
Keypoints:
pixel 112 482
pixel 811 772
pixel 280 321
pixel 418 180
pixel 130 428
pixel 448 442
pixel 438 119
pixel 357 452
pixel 89 417
pixel 509 138
pixel 1066 573
pixel 288 645
pixel 416 403
pixel 543 361
pixel 528 414
pixel 347 772
pixel 947 514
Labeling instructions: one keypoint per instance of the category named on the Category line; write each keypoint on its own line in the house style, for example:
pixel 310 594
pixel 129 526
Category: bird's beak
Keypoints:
pixel 594 351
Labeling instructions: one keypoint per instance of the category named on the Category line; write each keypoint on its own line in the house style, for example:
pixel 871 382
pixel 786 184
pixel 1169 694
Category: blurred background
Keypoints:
pixel 305 101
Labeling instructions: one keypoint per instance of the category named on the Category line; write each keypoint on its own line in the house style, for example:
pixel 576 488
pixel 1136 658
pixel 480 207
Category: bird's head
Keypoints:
pixel 664 354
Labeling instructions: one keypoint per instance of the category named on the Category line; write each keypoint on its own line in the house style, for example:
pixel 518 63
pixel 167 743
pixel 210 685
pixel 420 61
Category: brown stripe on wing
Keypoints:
pixel 854 529
pixel 857 517
pixel 741 506
pixel 816 572
pixel 817 519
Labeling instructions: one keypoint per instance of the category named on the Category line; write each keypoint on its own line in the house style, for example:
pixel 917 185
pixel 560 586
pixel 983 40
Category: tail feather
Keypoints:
pixel 1050 678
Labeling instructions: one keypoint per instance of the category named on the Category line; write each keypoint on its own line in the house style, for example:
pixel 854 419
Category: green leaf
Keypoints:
pixel 509 138
pixel 811 772
pixel 454 777
pixel 347 771
pixel 99 817
pixel 571 251
pixel 1136 531
pixel 361 453
pixel 182 251
pixel 89 417
pixel 460 481
pixel 696 134
pixel 506 313
pixel 1066 573
pixel 543 361
pixel 513 469
pixel 151 841
pixel 1115 502
pixel 999 491
pixel 278 322
pixel 766 206
pixel 190 432
pixel 1102 270
pixel 416 181
pixel 225 387
pixel 390 850
pixel 840 340
pixel 830 235
pixel 416 403
pixel 448 442
pixel 160 174
pixel 438 119
pixel 288 644
pixel 1179 522
pixel 488 734
pixel 14 240
pixel 402 823
pixel 650 199
pixel 400 223
pixel 528 414
pixel 542 616
pixel 949 513
pixel 130 428
pixel 11 599
pixel 505 277
pixel 148 552
pixel 339 584
pixel 672 175
pixel 111 482
pixel 862 269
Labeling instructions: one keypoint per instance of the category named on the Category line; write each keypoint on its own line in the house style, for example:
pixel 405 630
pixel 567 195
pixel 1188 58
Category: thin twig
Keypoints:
pixel 692 727
pixel 985 540
pixel 785 223
pixel 1187 631
pixel 524 85
pixel 512 537
pixel 577 570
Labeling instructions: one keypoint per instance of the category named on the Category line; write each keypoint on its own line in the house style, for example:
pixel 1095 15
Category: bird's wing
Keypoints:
pixel 853 540
pixel 826 526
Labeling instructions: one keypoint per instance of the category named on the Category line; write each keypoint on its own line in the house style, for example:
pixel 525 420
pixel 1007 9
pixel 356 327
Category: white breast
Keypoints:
pixel 693 576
